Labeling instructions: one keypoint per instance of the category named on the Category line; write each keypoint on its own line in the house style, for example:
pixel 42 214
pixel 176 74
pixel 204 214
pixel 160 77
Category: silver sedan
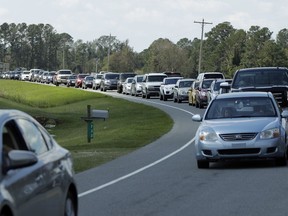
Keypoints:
pixel 244 125
pixel 36 173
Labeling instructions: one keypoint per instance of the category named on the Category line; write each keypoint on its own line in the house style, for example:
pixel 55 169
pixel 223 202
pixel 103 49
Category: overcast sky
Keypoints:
pixel 143 21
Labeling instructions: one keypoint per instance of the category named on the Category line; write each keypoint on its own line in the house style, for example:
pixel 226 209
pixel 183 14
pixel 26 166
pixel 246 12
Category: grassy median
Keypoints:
pixel 130 125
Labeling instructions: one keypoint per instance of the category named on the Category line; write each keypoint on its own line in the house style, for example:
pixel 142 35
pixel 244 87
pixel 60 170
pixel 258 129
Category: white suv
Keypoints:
pixel 61 77
pixel 166 88
pixel 151 84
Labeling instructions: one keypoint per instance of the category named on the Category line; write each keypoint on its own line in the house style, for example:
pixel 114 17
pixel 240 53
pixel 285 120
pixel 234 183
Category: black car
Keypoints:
pixel 268 79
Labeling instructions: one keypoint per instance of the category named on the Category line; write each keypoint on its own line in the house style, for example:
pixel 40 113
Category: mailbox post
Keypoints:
pixel 93 115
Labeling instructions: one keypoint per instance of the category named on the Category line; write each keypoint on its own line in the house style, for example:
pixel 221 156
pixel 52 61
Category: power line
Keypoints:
pixel 200 53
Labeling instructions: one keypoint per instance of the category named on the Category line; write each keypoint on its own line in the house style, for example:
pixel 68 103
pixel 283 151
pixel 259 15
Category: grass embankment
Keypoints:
pixel 130 125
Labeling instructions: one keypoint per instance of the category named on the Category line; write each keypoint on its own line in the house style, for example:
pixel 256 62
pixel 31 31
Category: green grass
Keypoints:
pixel 130 125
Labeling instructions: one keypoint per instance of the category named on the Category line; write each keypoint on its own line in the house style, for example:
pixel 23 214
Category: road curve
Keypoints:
pixel 162 179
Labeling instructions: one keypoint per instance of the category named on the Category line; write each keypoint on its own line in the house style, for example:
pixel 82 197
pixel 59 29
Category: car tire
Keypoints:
pixel 70 204
pixel 202 164
pixel 200 105
pixel 282 161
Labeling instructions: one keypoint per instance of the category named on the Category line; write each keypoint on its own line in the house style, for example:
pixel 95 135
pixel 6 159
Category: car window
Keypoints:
pixel 243 107
pixel 156 78
pixel 12 137
pixel 32 136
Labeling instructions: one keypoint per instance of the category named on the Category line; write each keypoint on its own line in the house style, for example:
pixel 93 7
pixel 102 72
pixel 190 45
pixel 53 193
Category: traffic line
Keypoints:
pixel 135 172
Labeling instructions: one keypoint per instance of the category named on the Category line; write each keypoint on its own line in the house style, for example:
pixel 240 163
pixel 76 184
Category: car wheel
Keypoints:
pixel 70 205
pixel 200 105
pixel 282 161
pixel 202 164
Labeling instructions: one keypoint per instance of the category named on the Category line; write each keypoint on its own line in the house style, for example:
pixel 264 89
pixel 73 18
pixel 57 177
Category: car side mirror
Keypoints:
pixel 196 118
pixel 19 159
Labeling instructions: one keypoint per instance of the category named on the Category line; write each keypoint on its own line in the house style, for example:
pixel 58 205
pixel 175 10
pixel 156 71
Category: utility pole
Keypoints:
pixel 109 51
pixel 201 42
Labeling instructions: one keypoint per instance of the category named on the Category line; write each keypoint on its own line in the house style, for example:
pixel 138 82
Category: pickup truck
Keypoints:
pixel 268 79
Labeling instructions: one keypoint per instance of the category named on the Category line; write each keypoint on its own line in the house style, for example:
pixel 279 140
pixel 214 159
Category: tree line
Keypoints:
pixel 224 49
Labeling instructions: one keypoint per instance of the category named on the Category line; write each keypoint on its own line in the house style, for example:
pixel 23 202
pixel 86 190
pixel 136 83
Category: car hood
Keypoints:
pixel 169 85
pixel 241 125
pixel 184 89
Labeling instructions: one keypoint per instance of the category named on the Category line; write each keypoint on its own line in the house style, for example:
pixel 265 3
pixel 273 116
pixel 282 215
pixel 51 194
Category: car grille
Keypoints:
pixel 238 136
pixel 239 151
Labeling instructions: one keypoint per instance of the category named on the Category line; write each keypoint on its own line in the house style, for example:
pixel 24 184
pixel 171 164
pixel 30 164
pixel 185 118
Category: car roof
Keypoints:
pixel 176 77
pixel 243 94
pixel 186 79
pixel 262 68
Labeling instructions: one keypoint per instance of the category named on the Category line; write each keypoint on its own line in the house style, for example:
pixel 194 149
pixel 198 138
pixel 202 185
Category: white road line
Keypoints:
pixel 136 171
pixel 143 168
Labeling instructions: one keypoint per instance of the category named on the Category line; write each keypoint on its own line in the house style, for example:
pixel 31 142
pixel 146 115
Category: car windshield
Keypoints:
pixel 82 75
pixel 139 79
pixel 65 72
pixel 129 80
pixel 206 84
pixel 112 76
pixel 156 78
pixel 99 76
pixel 89 78
pixel 125 76
pixel 185 84
pixel 241 107
pixel 263 77
pixel 217 86
pixel 171 81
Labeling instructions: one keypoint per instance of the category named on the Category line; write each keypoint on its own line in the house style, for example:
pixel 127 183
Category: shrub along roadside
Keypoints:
pixel 130 125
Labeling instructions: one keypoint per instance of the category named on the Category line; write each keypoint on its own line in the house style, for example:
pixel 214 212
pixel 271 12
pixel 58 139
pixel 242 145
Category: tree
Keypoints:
pixel 217 55
pixel 256 38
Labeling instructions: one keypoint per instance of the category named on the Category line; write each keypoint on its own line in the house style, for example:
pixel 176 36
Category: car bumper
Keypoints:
pixel 183 97
pixel 261 149
pixel 111 87
pixel 168 94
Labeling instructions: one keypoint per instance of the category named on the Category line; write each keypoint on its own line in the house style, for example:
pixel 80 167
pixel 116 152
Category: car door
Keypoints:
pixel 36 189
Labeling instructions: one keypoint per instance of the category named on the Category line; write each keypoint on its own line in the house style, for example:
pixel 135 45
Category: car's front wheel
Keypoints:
pixel 70 205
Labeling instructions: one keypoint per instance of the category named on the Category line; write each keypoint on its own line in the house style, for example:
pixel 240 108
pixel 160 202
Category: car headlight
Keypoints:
pixel 167 88
pixel 269 134
pixel 183 93
pixel 207 135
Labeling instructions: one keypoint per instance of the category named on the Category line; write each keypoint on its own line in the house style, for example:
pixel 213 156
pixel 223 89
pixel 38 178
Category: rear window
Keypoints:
pixel 213 76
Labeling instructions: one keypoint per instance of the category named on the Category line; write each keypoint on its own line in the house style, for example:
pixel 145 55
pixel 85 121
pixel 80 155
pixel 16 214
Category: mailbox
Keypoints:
pixel 93 115
pixel 99 114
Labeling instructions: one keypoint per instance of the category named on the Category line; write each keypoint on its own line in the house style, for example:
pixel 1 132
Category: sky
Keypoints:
pixel 143 21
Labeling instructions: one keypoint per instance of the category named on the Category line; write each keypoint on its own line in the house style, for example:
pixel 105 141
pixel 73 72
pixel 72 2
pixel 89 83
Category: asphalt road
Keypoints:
pixel 162 179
